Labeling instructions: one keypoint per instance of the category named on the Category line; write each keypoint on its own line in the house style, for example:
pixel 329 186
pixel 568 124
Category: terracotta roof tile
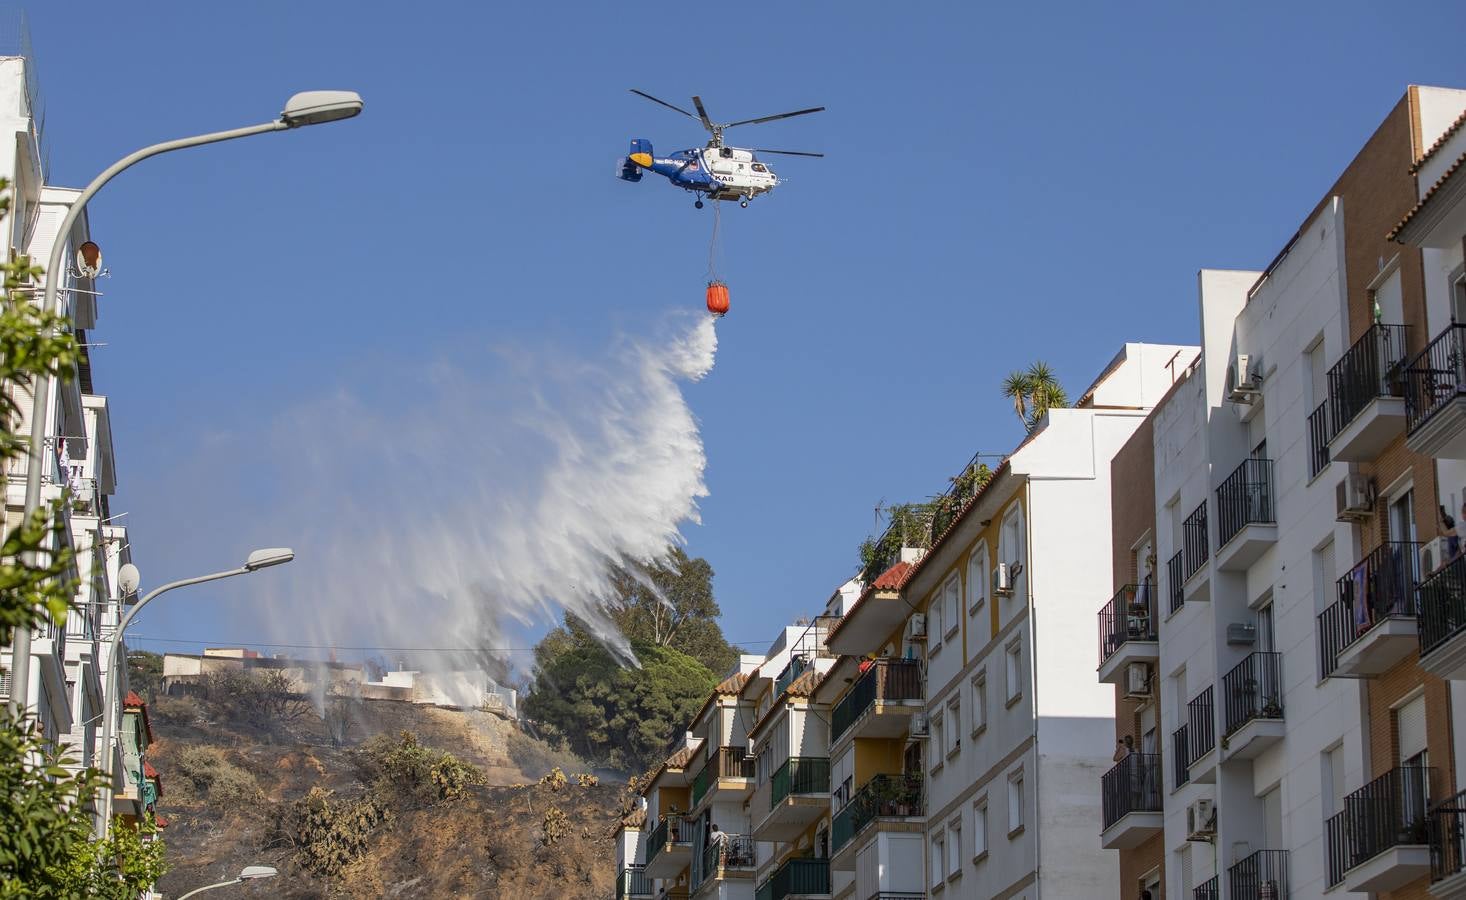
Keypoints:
pixel 805 684
pixel 132 701
pixel 1440 141
pixel 681 758
pixel 1434 189
pixel 892 578
pixel 148 770
pixel 731 685
pixel 634 819
pixel 160 821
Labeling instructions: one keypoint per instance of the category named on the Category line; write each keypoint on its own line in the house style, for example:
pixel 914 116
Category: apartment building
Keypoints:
pixel 1280 664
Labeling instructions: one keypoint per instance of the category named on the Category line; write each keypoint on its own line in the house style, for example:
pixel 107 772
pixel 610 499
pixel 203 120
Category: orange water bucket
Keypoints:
pixel 717 298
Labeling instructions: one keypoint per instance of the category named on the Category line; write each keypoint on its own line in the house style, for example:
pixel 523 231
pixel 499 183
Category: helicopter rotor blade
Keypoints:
pixel 666 104
pixel 787 115
pixel 703 113
pixel 787 152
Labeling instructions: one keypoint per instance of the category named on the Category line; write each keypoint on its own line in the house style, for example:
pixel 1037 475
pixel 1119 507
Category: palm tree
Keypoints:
pixel 1016 387
pixel 1034 393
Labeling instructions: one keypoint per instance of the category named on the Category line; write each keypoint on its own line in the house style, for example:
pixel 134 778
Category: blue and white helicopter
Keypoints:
pixel 716 172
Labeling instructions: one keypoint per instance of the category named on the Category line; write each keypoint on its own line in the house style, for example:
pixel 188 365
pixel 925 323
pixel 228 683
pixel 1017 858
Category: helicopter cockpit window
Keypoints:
pixel 725 152
pixel 759 167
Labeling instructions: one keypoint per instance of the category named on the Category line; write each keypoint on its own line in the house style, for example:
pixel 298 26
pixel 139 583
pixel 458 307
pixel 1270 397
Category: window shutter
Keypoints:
pixel 1410 728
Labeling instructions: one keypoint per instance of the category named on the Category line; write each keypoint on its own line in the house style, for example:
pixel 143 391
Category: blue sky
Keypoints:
pixel 1003 183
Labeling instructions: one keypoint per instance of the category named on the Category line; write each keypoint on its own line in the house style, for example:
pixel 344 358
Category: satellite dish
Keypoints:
pixel 89 260
pixel 128 579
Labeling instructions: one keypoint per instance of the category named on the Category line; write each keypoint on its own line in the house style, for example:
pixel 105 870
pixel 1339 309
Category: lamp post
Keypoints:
pixel 250 873
pixel 128 581
pixel 307 108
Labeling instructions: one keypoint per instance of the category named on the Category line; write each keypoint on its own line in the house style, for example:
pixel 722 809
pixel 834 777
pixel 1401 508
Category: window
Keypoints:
pixel 937 743
pixel 1012 550
pixel 939 859
pixel 1015 803
pixel 979 701
pixel 1013 659
pixel 980 828
pixel 934 628
pixel 1315 385
pixel 952 606
pixel 1325 590
pixel 954 725
pixel 978 572
pixel 1331 762
pixel 954 847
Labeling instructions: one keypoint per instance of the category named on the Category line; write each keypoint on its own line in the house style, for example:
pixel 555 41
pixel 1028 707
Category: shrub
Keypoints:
pixel 204 773
pixel 329 834
pixel 405 769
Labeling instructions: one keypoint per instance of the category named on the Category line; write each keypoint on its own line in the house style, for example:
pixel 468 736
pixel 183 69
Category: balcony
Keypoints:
pixel 1447 835
pixel 1261 876
pixel 1201 727
pixel 1367 395
pixel 1127 631
pixel 731 858
pixel 1207 890
pixel 1372 626
pixel 669 848
pixel 633 882
pixel 1443 621
pixel 881 702
pixel 885 798
pixel 797 878
pixel 1131 800
pixel 1378 841
pixel 1435 397
pixel 1195 544
pixel 1246 524
pixel 1175 580
pixel 1253 711
pixel 799 795
pixel 1181 756
pixel 1318 439
pixel 728 775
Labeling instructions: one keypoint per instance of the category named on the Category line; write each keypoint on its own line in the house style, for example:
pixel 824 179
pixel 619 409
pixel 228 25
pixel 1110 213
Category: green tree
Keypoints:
pixel 611 715
pixel 145 672
pixel 671 604
pixel 1034 392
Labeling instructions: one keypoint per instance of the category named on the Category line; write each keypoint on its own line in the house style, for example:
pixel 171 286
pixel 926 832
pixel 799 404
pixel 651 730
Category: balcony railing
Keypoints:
pixel 1261 876
pixel 733 851
pixel 800 775
pixel 1253 690
pixel 1176 580
pixel 1318 439
pixel 1133 785
pixel 1245 498
pixel 1387 812
pixel 1382 586
pixel 882 796
pixel 1181 755
pixel 725 762
pixel 791 671
pixel 1201 725
pixel 884 679
pixel 1194 539
pixel 669 830
pixel 1129 616
pixel 1448 838
pixel 1368 370
pixel 633 882
pixel 1435 376
pixel 797 876
pixel 1207 890
pixel 1443 605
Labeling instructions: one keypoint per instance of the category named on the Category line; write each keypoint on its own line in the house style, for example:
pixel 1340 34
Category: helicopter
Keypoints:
pixel 717 172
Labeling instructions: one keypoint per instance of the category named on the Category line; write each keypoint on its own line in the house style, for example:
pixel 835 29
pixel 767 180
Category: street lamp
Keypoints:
pixel 127 580
pixel 305 108
pixel 249 873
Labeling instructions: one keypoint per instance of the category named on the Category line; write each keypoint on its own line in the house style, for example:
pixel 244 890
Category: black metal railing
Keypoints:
pixel 633 882
pixel 1245 498
pixel 800 775
pixel 669 830
pixel 1442 605
pixel 1367 370
pixel 1133 785
pixel 1318 439
pixel 1388 812
pixel 1448 838
pixel 1128 616
pixel 1207 890
pixel 1381 586
pixel 797 876
pixel 1176 580
pixel 1261 876
pixel 792 670
pixel 1435 376
pixel 1201 725
pixel 724 762
pixel 1253 690
pixel 882 796
pixel 730 851
pixel 1194 539
pixel 1181 755
pixel 886 679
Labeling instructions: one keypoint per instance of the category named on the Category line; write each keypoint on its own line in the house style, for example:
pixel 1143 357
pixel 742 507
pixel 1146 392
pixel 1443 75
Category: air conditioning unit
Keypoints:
pixel 1432 556
pixel 920 726
pixel 916 627
pixel 1244 383
pixel 1241 634
pixel 1354 498
pixel 1002 580
pixel 1137 680
pixel 1201 820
